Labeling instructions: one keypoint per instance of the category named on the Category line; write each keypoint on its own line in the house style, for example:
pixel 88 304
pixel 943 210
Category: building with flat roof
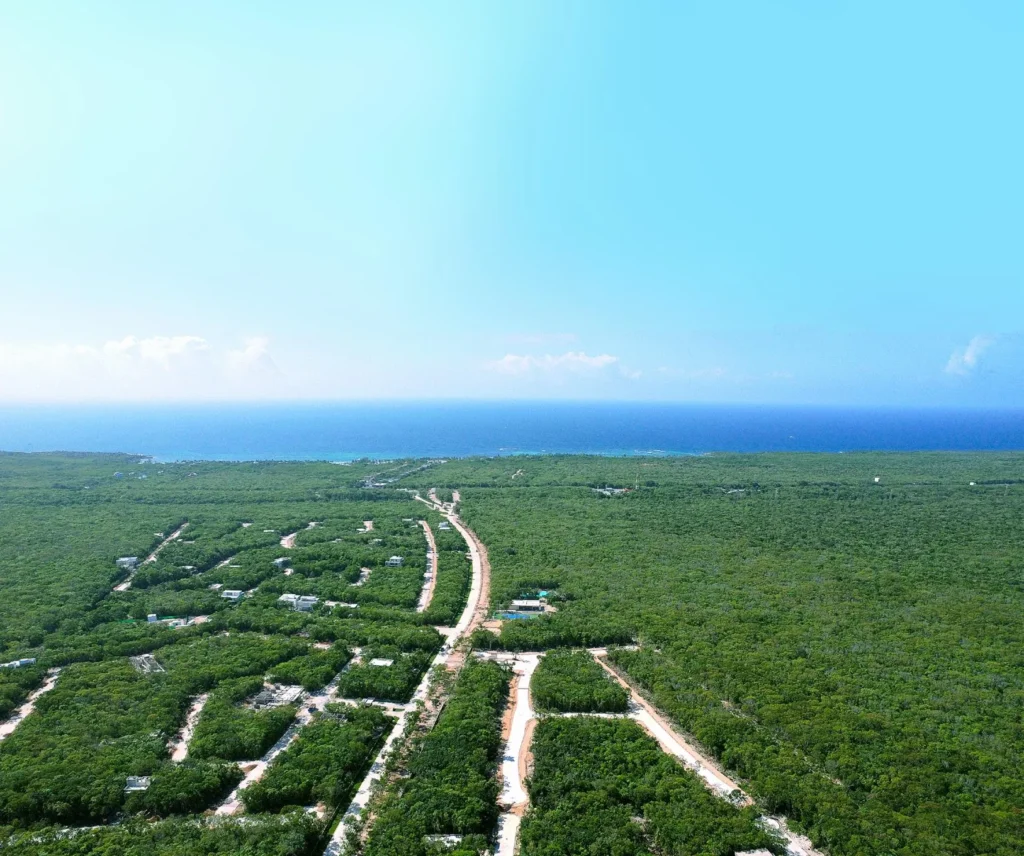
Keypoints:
pixel 395 562
pixel 233 595
pixel 137 783
pixel 528 605
pixel 128 563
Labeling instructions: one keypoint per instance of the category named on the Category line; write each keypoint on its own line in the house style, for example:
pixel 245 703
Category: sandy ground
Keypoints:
pixel 178 748
pixel 368 525
pixel 364 575
pixel 127 584
pixel 427 594
pixel 508 833
pixel 7 728
pixel 288 541
pixel 448 657
pixel 518 725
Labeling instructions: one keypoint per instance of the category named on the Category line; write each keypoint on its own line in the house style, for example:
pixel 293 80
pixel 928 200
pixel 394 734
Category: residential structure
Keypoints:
pixel 137 783
pixel 395 562
pixel 234 595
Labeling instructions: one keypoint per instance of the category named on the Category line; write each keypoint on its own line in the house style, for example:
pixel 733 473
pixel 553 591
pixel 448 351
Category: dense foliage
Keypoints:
pixel 570 681
pixel 451 789
pixel 229 730
pixel 297 835
pixel 64 522
pixel 325 764
pixel 396 682
pixel 849 647
pixel 604 788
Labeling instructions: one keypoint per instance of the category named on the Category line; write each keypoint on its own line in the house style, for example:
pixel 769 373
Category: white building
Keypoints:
pixel 137 783
pixel 528 605
pixel 395 562
pixel 234 595
pixel 128 563
pixel 17 664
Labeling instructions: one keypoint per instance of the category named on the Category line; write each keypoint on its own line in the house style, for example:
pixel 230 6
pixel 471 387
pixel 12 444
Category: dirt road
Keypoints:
pixel 450 656
pixel 7 728
pixel 127 584
pixel 428 584
pixel 674 743
pixel 179 746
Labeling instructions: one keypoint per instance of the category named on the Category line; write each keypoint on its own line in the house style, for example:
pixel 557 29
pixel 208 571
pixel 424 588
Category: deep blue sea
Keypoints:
pixel 418 429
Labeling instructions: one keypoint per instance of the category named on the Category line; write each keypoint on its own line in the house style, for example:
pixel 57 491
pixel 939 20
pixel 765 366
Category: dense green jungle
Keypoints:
pixel 842 632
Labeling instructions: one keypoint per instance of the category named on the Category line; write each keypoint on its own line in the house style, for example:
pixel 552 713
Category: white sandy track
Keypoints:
pixel 467 622
pixel 674 743
pixel 288 541
pixel 178 748
pixel 513 788
pixel 318 701
pixel 7 728
pixel 427 594
pixel 127 584
pixel 514 797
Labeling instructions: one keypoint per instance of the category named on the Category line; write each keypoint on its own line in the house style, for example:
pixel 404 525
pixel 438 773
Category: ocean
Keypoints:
pixel 335 431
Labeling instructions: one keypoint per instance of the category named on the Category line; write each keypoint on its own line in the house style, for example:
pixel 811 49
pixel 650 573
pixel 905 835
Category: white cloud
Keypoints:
pixel 963 361
pixel 132 368
pixel 255 353
pixel 570 361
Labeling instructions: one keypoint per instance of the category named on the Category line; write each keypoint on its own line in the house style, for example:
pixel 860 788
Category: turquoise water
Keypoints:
pixel 411 429
pixel 516 616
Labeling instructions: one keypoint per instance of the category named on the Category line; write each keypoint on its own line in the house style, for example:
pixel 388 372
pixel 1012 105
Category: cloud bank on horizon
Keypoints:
pixel 620 201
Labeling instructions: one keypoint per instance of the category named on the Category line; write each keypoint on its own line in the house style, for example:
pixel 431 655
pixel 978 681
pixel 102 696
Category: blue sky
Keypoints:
pixel 797 202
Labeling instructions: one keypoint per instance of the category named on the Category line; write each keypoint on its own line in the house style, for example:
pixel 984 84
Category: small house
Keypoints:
pixel 234 595
pixel 381 661
pixel 395 562
pixel 17 664
pixel 128 563
pixel 281 562
pixel 528 605
pixel 288 599
pixel 137 783
pixel 443 526
pixel 306 603
pixel 151 617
